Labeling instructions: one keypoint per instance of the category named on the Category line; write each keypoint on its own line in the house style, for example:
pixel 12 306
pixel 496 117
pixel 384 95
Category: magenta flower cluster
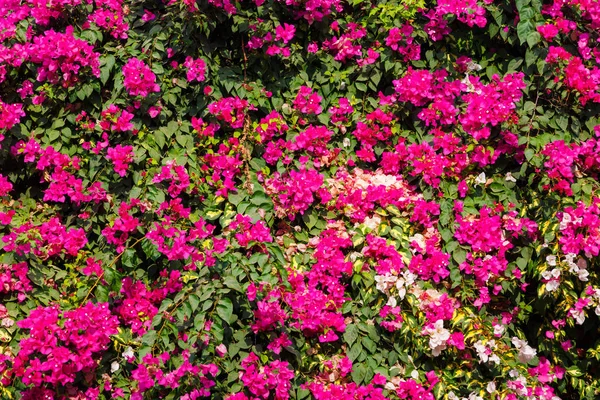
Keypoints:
pixel 139 80
pixel 62 345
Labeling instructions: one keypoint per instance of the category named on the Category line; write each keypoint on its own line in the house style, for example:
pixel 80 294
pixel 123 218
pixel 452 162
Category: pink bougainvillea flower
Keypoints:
pixel 121 156
pixel 139 80
pixel 196 69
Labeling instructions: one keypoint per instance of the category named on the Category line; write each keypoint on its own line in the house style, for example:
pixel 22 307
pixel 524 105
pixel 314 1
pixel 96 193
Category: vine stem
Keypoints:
pixel 246 154
pixel 114 261
pixel 532 118
pixel 168 314
pixel 245 59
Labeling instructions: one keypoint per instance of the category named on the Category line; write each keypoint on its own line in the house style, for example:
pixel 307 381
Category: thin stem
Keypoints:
pixel 109 266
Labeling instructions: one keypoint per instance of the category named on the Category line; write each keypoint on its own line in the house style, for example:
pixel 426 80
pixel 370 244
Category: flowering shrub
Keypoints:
pixel 300 199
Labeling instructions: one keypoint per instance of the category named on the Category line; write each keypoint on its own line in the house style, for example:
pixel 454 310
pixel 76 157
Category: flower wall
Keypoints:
pixel 300 199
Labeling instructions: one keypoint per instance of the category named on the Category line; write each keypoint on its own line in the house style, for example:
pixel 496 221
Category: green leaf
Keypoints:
pixel 109 62
pixel 194 301
pixel 514 64
pixel 159 138
pixel 369 345
pixel 358 373
pixel 524 28
pixel 351 334
pixel 129 258
pixel 459 255
pixel 455 276
pixel 135 192
pixel 533 38
pixel 232 283
pixel 529 153
pixel 236 198
pixel 563 122
pixel 355 351
pixel 149 338
pixel 225 309
pixel 309 219
pixel 526 13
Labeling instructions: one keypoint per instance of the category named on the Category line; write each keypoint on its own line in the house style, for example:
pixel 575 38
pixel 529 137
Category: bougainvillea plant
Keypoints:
pixel 300 199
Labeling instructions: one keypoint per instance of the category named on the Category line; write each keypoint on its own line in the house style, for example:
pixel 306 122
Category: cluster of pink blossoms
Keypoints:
pixel 57 169
pixel 5 186
pixel 118 231
pixel 335 383
pixel 139 80
pixel 110 15
pixel 488 236
pixel 501 96
pixel 316 296
pixel 340 113
pixel 249 231
pixel 115 119
pixel 43 12
pixel 277 43
pixel 311 10
pixel 576 75
pixel 313 140
pixel 49 239
pixel 271 126
pixel 589 299
pixel 377 128
pixel 429 262
pixel 359 193
pixel 402 41
pixel 269 314
pixel 438 307
pixel 175 175
pixel 149 374
pixel 10 115
pixel 226 5
pixel 272 380
pixel 422 87
pixel 564 162
pixel 308 101
pixel 468 12
pixel 580 228
pixel 196 69
pixel 139 305
pixel 63 183
pixel 232 110
pixel 121 156
pixel 346 47
pixel 385 258
pixel 204 128
pixel 62 345
pixel 172 241
pixel 13 278
pixel 226 165
pixel 61 57
pixel 180 243
pixel 295 191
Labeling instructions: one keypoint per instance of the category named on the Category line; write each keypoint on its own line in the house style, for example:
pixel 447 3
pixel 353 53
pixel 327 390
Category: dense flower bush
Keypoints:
pixel 317 199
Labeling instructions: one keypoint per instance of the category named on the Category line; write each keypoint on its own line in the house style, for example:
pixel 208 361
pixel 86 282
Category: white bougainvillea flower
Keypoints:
pixel 526 352
pixel 481 179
